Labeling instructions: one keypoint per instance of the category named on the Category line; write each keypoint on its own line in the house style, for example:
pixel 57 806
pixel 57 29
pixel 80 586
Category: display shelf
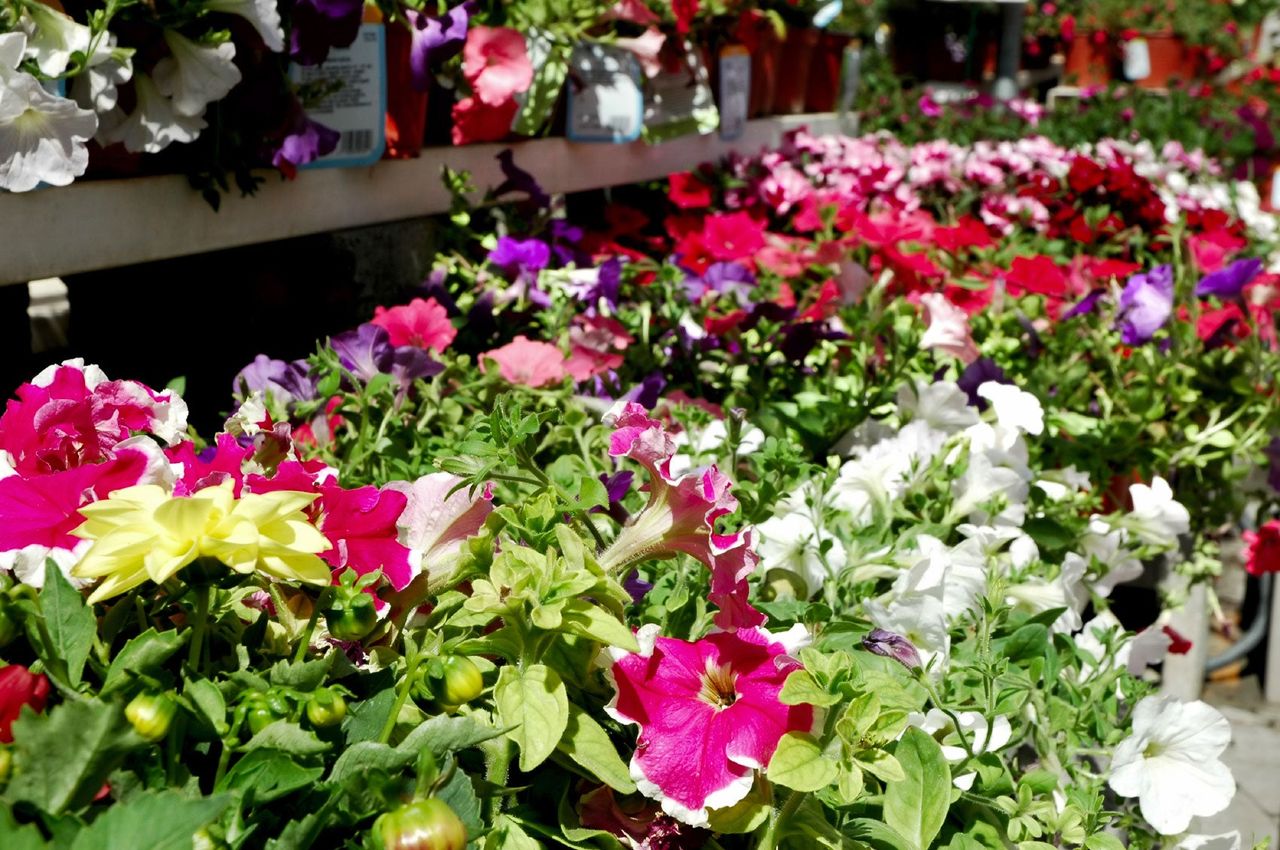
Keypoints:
pixel 109 223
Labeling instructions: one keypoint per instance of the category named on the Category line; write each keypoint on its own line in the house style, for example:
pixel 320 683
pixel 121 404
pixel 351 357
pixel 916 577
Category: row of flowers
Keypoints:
pixel 733 527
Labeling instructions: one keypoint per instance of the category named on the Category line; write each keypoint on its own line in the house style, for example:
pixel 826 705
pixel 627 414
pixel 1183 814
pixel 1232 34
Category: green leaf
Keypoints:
pixel 303 676
pixel 61 758
pixel 269 774
pixel 460 794
pixel 589 620
pixel 875 834
pixel 287 736
pixel 368 755
pixel 443 734
pixel 156 820
pixel 143 655
pixel 534 704
pixel 1103 841
pixel 747 815
pixel 798 763
pixel 881 765
pixel 800 687
pixel 70 622
pixel 1030 641
pixel 366 718
pixel 208 702
pixel 586 742
pixel 916 806
pixel 25 837
pixel 507 834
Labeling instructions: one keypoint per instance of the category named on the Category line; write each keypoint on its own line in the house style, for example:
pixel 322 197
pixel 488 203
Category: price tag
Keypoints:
pixel 678 102
pixel 850 78
pixel 355 78
pixel 1275 188
pixel 1137 59
pixel 735 91
pixel 606 102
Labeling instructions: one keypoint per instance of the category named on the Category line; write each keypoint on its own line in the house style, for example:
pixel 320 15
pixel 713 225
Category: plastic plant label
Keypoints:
pixel 850 79
pixel 1275 188
pixel 353 83
pixel 735 91
pixel 606 101
pixel 678 101
pixel 1137 59
pixel 550 67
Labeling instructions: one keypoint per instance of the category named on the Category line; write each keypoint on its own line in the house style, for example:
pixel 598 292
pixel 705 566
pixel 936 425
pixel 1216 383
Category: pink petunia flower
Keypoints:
pixel 528 362
pixel 708 713
pixel 435 523
pixel 681 516
pixel 474 121
pixel 948 328
pixel 596 346
pixel 1262 554
pixel 495 61
pixel 732 236
pixel 420 323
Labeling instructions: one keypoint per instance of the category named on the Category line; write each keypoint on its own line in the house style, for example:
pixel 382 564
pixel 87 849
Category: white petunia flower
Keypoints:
pixel 107 68
pixel 263 14
pixel 981 735
pixel 1157 518
pixel 790 541
pixel 154 124
pixel 1064 591
pixel 1105 545
pixel 706 444
pixel 195 75
pixel 948 328
pixel 1014 408
pixel 52 37
pixel 1225 841
pixel 941 405
pixel 1172 764
pixel 956 575
pixel 921 619
pixel 42 136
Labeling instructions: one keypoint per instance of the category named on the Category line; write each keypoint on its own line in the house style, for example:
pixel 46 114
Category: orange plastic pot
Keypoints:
pixel 1088 63
pixel 1170 59
pixel 765 60
pixel 795 61
pixel 824 73
pixel 406 106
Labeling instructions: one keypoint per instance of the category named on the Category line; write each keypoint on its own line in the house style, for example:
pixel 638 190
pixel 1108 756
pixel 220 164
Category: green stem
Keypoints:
pixel 497 767
pixel 923 679
pixel 402 696
pixel 305 642
pixel 773 832
pixel 195 652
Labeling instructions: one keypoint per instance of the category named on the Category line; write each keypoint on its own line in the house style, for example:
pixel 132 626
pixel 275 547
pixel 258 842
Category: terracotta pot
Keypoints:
pixel 1169 58
pixel 406 106
pixel 1087 63
pixel 794 63
pixel 824 73
pixel 765 60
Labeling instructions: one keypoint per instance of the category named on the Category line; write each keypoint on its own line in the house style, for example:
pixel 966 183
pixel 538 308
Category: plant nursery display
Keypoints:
pixel 795 501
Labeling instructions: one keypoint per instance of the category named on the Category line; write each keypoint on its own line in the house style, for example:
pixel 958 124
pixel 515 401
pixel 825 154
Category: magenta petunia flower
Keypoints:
pixel 528 362
pixel 496 63
pixel 681 516
pixel 708 713
pixel 420 323
pixel 361 525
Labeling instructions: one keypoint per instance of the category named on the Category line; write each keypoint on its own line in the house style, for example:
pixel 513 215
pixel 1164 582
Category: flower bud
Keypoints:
pixel 325 708
pixel 351 616
pixel 895 646
pixel 461 683
pixel 151 715
pixel 425 825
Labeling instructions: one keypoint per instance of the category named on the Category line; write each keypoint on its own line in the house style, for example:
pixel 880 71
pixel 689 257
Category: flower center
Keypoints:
pixel 1153 750
pixel 718 685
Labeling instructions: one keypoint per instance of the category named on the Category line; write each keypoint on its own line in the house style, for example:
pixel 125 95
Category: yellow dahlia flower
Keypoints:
pixel 143 533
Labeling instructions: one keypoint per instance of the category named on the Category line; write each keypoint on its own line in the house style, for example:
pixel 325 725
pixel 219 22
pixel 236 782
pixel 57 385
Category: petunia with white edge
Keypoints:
pixel 1172 763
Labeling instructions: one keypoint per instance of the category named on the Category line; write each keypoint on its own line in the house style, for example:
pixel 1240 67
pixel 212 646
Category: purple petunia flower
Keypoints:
pixel 516 179
pixel 1146 304
pixel 1231 281
pixel 726 278
pixel 305 142
pixel 636 587
pixel 647 392
pixel 1086 305
pixel 520 256
pixel 321 24
pixel 435 39
pixel 976 374
pixel 288 383
pixel 409 363
pixel 895 646
pixel 367 352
